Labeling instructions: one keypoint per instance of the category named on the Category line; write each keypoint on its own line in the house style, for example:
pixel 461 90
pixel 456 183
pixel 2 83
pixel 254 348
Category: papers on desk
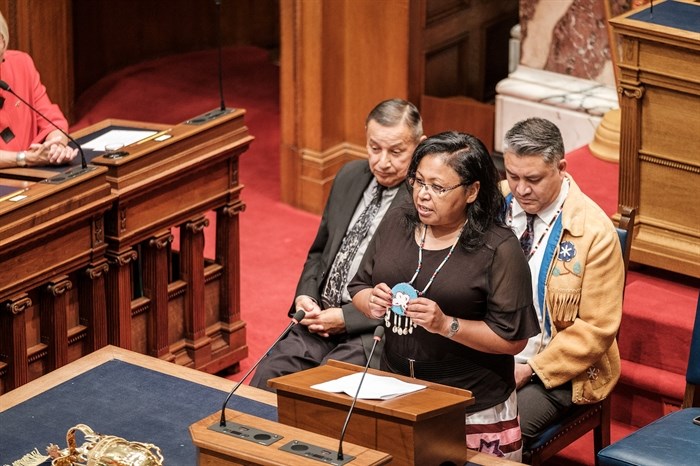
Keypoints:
pixel 374 387
pixel 121 137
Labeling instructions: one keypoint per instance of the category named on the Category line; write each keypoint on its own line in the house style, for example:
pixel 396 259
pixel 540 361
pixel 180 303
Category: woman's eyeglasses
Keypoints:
pixel 433 188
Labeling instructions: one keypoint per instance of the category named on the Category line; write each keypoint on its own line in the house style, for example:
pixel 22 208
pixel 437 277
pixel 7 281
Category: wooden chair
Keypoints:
pixel 675 438
pixel 582 418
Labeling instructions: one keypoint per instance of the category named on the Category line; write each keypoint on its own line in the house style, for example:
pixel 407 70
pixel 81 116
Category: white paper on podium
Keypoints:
pixel 374 387
pixel 123 137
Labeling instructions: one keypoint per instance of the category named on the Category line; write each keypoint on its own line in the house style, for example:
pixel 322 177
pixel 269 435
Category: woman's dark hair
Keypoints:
pixel 470 159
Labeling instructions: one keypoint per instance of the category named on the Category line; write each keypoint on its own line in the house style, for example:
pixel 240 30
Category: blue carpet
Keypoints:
pixel 118 398
pixel 673 14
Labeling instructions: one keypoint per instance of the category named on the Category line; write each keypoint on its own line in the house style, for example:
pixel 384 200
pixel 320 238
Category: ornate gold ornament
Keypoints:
pixel 97 450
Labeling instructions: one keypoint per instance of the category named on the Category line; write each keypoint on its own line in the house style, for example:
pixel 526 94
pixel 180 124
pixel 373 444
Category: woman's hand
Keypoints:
pixel 60 154
pixel 51 152
pixel 426 313
pixel 379 300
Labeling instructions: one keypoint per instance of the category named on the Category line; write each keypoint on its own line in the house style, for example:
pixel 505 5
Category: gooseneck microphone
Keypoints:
pixel 221 110
pixel 218 43
pixel 378 334
pixel 6 87
pixel 298 317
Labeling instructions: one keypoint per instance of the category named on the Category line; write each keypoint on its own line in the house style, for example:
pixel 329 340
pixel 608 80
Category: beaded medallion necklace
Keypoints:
pixel 403 292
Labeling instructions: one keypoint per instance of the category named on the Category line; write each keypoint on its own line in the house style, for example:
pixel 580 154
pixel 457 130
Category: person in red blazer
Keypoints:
pixel 26 139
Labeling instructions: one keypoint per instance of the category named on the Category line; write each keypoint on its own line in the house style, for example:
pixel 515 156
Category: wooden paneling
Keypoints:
pixel 340 58
pixel 464 46
pixel 90 39
pixel 71 275
pixel 459 114
pixel 110 35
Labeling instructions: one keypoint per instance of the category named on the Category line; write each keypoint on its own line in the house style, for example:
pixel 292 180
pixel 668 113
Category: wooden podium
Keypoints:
pixel 425 427
pixel 52 249
pixel 220 449
pixel 660 121
pixel 177 305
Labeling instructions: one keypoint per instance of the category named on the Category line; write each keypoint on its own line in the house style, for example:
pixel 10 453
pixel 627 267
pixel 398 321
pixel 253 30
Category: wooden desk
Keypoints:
pixel 416 429
pixel 107 353
pixel 69 251
pixel 660 121
pixel 185 308
pixel 52 264
pixel 218 449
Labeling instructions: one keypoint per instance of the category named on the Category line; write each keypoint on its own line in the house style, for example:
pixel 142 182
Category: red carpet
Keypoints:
pixel 659 307
pixel 596 177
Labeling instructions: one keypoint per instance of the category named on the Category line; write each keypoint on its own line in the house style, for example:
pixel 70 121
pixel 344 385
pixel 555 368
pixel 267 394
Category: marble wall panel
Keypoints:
pixel 570 36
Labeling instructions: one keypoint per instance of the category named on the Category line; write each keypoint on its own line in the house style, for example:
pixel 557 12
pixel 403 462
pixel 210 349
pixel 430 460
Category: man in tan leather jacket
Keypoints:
pixel 577 270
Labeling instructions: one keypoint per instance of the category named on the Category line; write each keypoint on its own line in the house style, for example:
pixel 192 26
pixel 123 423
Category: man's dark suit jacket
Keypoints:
pixel 346 193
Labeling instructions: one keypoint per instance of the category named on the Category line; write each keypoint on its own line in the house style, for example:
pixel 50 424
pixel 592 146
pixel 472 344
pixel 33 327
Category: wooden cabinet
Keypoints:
pixel 660 123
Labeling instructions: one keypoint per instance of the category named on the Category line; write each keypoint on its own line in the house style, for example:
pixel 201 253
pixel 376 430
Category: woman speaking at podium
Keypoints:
pixel 453 287
pixel 26 139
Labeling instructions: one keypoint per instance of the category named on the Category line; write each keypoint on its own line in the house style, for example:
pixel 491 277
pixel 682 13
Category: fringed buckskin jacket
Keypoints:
pixel 581 285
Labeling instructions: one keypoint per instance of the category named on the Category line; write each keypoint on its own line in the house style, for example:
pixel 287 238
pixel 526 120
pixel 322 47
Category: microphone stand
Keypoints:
pixel 378 333
pixel 298 317
pixel 222 110
pixel 219 40
pixel 325 455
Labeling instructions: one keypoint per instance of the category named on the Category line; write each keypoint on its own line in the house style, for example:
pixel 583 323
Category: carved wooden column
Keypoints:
pixel 93 304
pixel 13 340
pixel 156 255
pixel 227 241
pixel 92 296
pixel 192 272
pixel 119 297
pixel 54 324
pixel 630 92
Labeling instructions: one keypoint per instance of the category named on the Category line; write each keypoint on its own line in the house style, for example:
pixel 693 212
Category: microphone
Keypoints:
pixel 222 110
pixel 298 317
pixel 378 334
pixel 222 107
pixel 6 87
